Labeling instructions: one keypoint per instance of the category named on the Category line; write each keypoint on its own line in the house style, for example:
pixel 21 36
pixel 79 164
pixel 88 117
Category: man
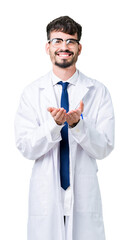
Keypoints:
pixel 64 122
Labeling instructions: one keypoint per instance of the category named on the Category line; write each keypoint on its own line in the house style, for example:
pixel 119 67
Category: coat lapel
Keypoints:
pixel 46 86
pixel 81 89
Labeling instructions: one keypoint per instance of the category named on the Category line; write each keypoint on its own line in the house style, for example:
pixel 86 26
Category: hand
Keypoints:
pixel 59 114
pixel 73 116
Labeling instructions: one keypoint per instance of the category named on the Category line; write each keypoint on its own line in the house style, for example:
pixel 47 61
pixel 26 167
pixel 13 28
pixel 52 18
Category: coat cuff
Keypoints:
pixel 54 130
pixel 78 131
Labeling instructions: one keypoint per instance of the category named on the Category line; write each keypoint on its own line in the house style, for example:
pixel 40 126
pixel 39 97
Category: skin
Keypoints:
pixel 60 56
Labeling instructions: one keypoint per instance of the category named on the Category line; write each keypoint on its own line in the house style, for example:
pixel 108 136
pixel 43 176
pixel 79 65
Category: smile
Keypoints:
pixel 64 54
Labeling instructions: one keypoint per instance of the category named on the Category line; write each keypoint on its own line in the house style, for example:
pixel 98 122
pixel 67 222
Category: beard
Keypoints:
pixel 66 63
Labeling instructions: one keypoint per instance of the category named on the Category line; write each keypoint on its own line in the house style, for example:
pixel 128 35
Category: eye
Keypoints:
pixel 71 41
pixel 57 41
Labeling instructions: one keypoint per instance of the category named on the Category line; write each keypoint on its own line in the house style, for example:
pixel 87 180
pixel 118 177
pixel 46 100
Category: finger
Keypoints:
pixel 78 112
pixel 63 118
pixel 60 114
pixel 67 118
pixel 50 109
pixel 70 113
pixel 73 116
pixel 81 107
pixel 73 113
pixel 60 117
pixel 54 112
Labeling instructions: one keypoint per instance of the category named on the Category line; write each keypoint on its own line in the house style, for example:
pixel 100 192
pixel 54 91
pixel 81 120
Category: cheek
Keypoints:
pixel 76 55
pixel 52 55
pixel 50 51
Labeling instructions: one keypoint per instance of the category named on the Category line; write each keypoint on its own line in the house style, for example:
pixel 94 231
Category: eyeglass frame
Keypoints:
pixel 64 40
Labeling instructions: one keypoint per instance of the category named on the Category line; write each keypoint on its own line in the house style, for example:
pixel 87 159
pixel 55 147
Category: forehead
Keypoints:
pixel 55 34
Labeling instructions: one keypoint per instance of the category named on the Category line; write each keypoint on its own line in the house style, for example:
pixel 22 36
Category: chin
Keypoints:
pixel 64 64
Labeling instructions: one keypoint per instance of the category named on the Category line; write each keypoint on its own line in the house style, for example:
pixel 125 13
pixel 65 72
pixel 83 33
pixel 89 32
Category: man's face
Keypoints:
pixel 63 55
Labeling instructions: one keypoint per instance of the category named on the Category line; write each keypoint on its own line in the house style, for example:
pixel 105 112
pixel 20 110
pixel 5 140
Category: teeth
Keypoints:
pixel 64 55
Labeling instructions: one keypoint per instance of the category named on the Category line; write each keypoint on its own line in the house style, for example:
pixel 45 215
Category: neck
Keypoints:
pixel 64 73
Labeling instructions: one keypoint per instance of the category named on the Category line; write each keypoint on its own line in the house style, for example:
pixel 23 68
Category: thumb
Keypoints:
pixel 81 106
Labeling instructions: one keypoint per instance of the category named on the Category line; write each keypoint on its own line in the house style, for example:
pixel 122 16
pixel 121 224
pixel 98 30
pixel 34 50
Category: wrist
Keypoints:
pixel 74 124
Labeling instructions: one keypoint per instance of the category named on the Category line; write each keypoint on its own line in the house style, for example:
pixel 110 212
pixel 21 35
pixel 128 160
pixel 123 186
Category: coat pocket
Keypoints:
pixel 87 194
pixel 38 197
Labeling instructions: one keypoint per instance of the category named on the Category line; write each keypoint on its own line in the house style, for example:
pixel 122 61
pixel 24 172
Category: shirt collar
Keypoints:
pixel 72 80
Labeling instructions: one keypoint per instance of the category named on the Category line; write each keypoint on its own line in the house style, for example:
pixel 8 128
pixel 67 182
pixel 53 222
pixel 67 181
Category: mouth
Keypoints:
pixel 64 54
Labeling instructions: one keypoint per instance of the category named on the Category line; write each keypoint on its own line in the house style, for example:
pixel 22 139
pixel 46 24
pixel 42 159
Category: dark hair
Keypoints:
pixel 64 24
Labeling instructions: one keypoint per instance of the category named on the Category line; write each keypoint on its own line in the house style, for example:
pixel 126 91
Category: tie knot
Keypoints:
pixel 64 84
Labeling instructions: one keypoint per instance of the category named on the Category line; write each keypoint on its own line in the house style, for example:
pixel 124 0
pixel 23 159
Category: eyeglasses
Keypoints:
pixel 57 42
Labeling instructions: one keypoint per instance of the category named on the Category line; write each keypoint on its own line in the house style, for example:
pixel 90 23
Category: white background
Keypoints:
pixel 105 57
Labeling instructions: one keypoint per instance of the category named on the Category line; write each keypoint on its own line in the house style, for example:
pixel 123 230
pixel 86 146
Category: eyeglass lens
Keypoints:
pixel 56 42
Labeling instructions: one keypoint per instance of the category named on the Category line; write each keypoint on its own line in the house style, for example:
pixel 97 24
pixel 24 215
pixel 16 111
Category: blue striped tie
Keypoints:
pixel 64 144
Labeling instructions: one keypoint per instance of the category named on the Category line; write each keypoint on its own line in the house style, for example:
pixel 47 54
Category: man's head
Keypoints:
pixel 63 44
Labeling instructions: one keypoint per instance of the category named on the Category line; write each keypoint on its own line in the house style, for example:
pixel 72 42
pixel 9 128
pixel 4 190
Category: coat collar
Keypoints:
pixel 82 87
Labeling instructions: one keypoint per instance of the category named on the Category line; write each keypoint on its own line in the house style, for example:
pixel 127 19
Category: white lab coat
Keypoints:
pixel 38 138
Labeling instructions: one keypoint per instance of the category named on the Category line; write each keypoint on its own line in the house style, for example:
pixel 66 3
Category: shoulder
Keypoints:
pixel 33 87
pixel 92 83
pixel 40 82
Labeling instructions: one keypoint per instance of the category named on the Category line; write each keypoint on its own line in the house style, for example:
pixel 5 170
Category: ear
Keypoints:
pixel 79 48
pixel 47 48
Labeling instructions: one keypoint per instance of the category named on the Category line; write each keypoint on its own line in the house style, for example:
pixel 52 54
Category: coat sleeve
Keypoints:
pixel 97 138
pixel 32 138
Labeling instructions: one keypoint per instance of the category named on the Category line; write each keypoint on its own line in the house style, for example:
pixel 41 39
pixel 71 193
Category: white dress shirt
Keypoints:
pixel 66 194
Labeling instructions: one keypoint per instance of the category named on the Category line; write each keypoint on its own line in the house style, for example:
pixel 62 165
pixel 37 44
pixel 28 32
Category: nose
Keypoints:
pixel 64 45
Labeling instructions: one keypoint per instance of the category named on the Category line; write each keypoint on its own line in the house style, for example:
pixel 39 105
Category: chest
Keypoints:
pixel 52 98
pixel 58 94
